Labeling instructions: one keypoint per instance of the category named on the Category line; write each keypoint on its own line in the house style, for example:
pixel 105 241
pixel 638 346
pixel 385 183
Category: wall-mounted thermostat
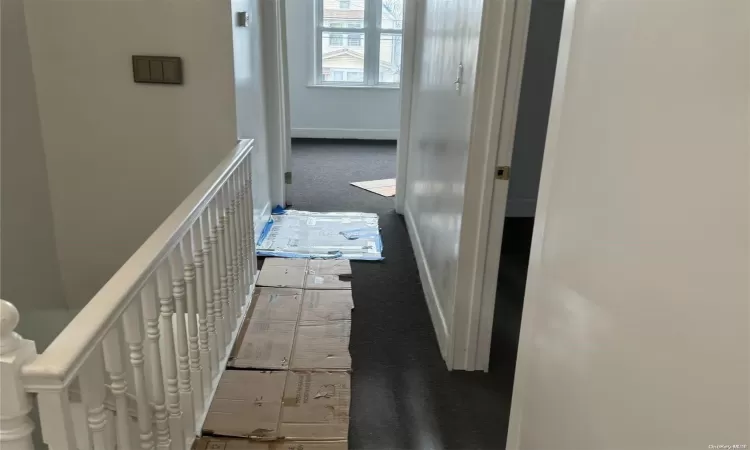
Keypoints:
pixel 157 69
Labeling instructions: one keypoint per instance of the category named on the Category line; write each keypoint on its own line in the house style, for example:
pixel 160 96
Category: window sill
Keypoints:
pixel 344 86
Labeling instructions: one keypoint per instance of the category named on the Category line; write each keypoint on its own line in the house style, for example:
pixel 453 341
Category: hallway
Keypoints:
pixel 402 395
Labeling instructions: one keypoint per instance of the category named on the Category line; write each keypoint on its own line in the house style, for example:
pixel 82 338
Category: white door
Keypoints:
pixel 462 124
pixel 635 322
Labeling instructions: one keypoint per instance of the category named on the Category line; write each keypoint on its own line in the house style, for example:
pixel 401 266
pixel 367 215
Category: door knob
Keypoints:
pixel 459 77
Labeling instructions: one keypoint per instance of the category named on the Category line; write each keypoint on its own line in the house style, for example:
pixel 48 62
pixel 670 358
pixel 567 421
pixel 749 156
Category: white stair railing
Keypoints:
pixel 148 350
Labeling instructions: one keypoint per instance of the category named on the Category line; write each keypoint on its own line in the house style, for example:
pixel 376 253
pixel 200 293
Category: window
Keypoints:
pixel 336 39
pixel 358 42
pixel 354 40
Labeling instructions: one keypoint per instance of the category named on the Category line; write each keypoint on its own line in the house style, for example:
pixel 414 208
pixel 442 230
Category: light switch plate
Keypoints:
pixel 157 69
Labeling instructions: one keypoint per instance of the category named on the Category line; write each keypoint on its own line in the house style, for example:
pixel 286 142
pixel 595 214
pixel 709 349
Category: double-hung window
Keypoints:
pixel 358 42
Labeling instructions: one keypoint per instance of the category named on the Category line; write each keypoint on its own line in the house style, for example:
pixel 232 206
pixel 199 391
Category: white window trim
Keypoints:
pixel 372 33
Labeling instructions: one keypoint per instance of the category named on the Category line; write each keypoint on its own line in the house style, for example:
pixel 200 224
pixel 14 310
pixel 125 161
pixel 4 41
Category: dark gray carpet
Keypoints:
pixel 402 395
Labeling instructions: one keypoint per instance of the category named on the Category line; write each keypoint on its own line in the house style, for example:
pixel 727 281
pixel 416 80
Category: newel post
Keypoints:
pixel 15 425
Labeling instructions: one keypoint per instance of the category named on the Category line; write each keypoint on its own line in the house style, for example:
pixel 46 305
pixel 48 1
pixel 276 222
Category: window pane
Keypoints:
pixel 343 54
pixel 358 76
pixel 390 58
pixel 344 13
pixel 392 17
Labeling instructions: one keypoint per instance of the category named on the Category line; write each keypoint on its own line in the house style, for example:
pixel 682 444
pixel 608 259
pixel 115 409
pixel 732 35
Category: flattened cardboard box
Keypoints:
pixel 329 274
pixel 321 346
pixel 219 443
pixel 246 404
pixel 288 262
pixel 283 273
pixel 264 345
pixel 316 406
pixel 326 305
pixel 276 304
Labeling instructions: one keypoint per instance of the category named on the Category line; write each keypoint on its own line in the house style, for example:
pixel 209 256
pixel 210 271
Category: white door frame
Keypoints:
pixel 276 81
pixel 277 84
pixel 408 67
pixel 502 48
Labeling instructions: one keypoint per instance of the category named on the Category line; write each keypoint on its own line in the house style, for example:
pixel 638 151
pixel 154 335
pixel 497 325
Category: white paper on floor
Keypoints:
pixel 386 188
pixel 304 234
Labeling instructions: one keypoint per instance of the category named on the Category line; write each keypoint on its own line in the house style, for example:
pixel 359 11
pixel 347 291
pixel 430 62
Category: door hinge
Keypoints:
pixel 288 177
pixel 502 173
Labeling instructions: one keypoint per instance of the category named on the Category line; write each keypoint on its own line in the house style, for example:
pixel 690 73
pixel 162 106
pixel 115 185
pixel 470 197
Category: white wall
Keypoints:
pixel 439 149
pixel 28 248
pixel 121 156
pixel 30 274
pixel 250 103
pixel 635 322
pixel 326 112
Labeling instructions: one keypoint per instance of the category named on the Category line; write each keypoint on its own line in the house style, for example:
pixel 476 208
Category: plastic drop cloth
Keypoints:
pixel 304 234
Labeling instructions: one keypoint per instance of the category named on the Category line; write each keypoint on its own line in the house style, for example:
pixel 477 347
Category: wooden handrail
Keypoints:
pixel 57 366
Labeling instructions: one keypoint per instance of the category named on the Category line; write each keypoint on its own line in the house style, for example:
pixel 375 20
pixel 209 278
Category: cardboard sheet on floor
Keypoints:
pixel 305 234
pixel 326 305
pixel 246 404
pixel 329 274
pixel 263 345
pixel 386 187
pixel 222 443
pixel 276 304
pixel 316 406
pixel 277 272
pixel 301 273
pixel 322 346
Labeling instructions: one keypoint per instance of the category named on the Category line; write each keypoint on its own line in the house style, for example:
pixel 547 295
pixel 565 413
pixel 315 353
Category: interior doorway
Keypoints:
pixel 344 76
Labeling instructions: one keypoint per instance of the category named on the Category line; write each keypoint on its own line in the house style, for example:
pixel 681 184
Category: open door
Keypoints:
pixel 462 125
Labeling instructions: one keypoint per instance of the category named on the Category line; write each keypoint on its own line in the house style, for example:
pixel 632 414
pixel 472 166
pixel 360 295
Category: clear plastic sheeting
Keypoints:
pixel 304 234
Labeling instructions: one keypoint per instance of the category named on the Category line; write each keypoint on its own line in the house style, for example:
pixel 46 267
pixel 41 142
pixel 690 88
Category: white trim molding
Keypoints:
pixel 442 330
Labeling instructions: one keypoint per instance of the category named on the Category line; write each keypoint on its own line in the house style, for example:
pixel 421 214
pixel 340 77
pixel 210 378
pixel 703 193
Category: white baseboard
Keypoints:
pixel 433 302
pixel 520 207
pixel 262 220
pixel 345 133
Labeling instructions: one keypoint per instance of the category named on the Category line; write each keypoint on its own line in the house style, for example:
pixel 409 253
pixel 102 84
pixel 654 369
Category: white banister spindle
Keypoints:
pixel 232 250
pixel 15 425
pixel 241 275
pixel 56 419
pixel 215 335
pixel 201 303
pixel 168 356
pixel 154 364
pixel 221 262
pixel 245 266
pixel 216 263
pixel 196 380
pixel 250 219
pixel 225 241
pixel 113 362
pixel 93 393
pixel 131 324
pixel 186 389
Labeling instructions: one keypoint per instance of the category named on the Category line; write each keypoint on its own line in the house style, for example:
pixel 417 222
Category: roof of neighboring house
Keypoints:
pixel 343 52
pixel 348 52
